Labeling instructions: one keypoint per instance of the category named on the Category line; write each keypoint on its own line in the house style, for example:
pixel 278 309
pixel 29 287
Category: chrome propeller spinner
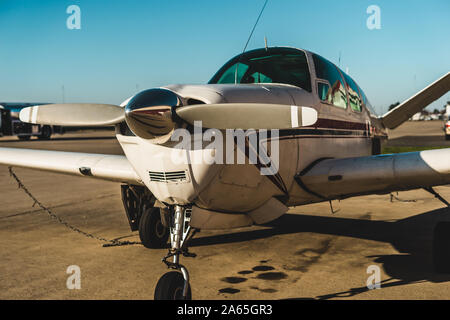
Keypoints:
pixel 149 113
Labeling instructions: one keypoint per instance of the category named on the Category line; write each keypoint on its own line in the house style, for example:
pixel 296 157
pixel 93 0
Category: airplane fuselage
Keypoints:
pixel 240 188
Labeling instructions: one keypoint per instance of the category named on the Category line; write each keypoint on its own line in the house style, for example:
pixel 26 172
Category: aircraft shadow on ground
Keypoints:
pixel 411 237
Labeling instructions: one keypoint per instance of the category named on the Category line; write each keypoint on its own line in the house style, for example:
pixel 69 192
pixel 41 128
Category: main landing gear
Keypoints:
pixel 174 285
pixel 144 216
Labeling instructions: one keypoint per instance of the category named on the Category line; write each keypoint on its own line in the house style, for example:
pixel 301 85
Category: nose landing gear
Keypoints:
pixel 174 285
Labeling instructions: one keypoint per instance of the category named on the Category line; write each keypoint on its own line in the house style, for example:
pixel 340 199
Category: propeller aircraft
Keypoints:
pixel 324 140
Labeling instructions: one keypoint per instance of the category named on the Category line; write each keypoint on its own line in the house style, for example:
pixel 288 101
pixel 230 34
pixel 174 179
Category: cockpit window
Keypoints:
pixel 353 94
pixel 274 65
pixel 325 70
pixel 366 102
pixel 238 70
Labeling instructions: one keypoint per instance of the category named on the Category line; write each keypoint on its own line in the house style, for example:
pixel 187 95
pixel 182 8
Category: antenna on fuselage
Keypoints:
pixel 248 40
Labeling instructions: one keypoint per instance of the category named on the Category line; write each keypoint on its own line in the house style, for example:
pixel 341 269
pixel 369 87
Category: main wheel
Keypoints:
pixel 441 247
pixel 447 137
pixel 170 287
pixel 153 233
pixel 45 133
pixel 24 138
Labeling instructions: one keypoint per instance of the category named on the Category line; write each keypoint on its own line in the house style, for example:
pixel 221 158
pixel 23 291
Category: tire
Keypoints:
pixel 170 287
pixel 24 138
pixel 447 137
pixel 441 247
pixel 46 133
pixel 376 146
pixel 152 232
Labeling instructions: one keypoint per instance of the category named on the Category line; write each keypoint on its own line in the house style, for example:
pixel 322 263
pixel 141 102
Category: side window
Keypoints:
pixel 322 90
pixel 335 95
pixel 363 96
pixel 353 94
pixel 366 102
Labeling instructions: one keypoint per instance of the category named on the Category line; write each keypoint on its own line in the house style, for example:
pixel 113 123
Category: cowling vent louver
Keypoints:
pixel 167 176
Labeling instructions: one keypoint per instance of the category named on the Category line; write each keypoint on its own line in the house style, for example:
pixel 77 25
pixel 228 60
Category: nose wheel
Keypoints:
pixel 174 285
pixel 171 286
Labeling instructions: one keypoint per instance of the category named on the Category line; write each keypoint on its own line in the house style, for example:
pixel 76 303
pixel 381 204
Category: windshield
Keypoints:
pixel 274 65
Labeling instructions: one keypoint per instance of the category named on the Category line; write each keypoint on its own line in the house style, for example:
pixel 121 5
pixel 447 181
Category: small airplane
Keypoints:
pixel 325 143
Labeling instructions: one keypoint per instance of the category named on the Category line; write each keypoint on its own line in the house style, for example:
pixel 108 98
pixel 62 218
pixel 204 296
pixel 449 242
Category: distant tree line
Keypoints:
pixel 425 112
pixel 392 106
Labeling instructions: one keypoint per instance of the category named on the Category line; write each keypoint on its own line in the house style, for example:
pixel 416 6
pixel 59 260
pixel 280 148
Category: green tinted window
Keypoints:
pixel 322 90
pixel 366 102
pixel 353 94
pixel 229 76
pixel 336 95
pixel 288 66
pixel 258 77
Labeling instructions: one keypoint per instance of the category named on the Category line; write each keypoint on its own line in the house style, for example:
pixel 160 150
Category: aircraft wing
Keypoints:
pixel 416 103
pixel 101 166
pixel 330 179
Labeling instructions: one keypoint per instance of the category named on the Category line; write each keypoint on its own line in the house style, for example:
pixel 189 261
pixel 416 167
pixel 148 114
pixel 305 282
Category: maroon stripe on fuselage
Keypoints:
pixel 339 124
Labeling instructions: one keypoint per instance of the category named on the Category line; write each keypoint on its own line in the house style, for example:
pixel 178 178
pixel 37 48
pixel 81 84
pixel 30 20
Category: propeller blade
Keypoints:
pixel 73 114
pixel 248 116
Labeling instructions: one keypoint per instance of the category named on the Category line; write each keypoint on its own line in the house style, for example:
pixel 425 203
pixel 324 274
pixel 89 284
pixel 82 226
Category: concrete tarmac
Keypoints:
pixel 308 253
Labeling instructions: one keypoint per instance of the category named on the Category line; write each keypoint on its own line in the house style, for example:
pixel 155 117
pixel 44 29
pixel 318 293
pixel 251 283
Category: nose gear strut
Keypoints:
pixel 175 285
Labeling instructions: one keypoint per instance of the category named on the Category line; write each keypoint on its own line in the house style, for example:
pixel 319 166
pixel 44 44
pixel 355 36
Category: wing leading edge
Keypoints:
pixel 327 179
pixel 342 178
pixel 417 102
pixel 101 166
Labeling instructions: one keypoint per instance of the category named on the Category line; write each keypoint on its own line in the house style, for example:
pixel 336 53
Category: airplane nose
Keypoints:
pixel 149 113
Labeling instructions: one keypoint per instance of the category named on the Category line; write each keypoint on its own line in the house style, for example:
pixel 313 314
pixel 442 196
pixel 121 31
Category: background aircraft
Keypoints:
pixel 10 124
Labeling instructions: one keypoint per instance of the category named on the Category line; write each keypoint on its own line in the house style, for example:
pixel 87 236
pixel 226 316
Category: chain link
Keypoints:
pixel 110 243
pixel 393 197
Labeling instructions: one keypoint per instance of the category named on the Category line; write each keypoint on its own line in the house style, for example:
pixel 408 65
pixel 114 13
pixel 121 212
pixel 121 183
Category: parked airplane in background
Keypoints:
pixel 10 124
pixel 328 139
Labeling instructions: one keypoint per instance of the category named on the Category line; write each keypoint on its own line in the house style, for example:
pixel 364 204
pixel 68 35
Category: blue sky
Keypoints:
pixel 125 46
